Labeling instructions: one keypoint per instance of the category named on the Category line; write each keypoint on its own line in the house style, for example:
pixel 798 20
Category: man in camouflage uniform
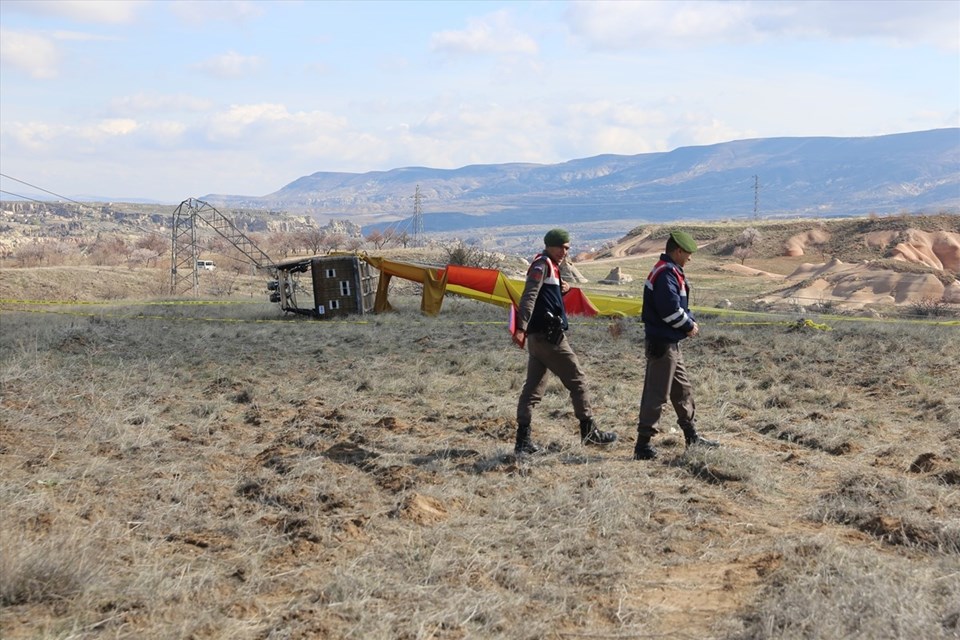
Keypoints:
pixel 540 326
pixel 666 321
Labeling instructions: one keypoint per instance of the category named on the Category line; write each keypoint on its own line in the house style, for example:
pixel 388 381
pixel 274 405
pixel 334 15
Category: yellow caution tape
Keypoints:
pixel 131 303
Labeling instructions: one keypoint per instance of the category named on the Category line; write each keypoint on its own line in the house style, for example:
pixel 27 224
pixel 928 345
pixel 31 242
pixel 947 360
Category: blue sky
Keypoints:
pixel 171 100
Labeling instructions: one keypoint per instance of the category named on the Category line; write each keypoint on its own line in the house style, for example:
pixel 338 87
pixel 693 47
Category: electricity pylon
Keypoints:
pixel 417 219
pixel 184 275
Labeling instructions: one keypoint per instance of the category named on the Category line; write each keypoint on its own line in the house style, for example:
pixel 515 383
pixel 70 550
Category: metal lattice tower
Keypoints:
pixel 184 276
pixel 417 219
pixel 756 196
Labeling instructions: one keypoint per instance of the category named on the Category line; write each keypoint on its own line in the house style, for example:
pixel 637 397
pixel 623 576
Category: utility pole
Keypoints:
pixel 756 197
pixel 417 219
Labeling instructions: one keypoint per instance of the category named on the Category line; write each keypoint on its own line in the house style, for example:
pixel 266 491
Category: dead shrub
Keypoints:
pixel 48 571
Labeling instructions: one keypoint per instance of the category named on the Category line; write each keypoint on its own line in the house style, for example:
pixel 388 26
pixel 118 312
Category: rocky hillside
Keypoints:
pixel 821 176
pixel 842 263
pixel 850 239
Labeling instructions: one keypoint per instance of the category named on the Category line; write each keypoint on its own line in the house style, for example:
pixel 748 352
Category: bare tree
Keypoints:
pixel 466 255
pixel 313 239
pixel 154 242
pixel 216 244
pixel 59 252
pixel 281 243
pixel 743 245
pixel 742 252
pixel 377 239
pixel 749 237
pixel 31 255
pixel 334 241
pixel 143 257
pixel 108 250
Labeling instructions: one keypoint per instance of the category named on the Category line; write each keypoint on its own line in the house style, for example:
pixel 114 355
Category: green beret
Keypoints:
pixel 556 238
pixel 684 240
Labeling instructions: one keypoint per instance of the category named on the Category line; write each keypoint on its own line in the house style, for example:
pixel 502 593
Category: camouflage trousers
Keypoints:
pixel 665 379
pixel 560 360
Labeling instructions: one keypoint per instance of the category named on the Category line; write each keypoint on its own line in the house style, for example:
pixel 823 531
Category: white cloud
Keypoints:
pixel 611 127
pixel 38 55
pixel 153 102
pixel 238 120
pixel 272 123
pixel 42 137
pixel 230 65
pixel 33 54
pixel 903 23
pixel 266 129
pixel 703 130
pixel 654 23
pixel 34 136
pixel 80 36
pixel 616 114
pixel 691 23
pixel 115 127
pixel 549 133
pixel 89 11
pixel 492 34
pixel 197 13
pixel 277 145
pixel 166 133
pixel 452 134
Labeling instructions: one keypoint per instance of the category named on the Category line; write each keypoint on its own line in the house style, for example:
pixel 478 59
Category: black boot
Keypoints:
pixel 589 434
pixel 693 438
pixel 524 444
pixel 642 450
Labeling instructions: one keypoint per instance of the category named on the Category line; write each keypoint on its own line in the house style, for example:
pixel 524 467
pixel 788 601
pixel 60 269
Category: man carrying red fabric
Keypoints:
pixel 540 325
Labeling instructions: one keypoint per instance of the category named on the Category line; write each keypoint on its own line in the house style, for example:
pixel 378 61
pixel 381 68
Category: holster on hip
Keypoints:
pixel 554 329
pixel 656 349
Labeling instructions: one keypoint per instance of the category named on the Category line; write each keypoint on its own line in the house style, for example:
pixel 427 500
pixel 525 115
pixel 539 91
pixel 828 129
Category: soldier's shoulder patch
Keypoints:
pixel 535 272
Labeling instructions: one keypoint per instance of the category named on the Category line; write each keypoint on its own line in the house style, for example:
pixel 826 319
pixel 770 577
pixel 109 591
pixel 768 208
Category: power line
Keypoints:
pixel 41 189
pixel 17 195
pixel 82 204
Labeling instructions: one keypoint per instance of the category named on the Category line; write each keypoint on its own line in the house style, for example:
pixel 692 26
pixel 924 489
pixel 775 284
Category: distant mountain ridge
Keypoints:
pixel 815 176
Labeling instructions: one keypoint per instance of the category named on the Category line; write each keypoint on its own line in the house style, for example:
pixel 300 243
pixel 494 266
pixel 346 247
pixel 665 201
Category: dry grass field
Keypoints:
pixel 220 471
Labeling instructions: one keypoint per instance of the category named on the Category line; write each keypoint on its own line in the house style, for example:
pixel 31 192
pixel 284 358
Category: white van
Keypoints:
pixel 205 265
